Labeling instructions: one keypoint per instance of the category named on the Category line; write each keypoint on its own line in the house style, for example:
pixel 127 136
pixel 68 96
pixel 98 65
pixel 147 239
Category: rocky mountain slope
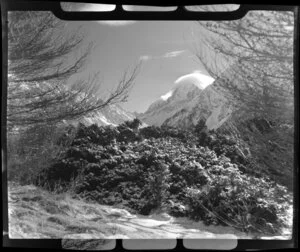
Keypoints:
pixel 171 103
pixel 186 104
pixel 209 105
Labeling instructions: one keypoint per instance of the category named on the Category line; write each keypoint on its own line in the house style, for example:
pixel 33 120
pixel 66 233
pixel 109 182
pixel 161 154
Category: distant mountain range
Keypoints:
pixel 183 106
pixel 110 115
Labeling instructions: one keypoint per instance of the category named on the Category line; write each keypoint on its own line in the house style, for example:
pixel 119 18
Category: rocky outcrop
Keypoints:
pixel 259 124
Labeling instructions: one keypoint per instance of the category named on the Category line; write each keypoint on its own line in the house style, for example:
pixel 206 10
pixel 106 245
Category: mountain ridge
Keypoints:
pixel 110 115
pixel 161 109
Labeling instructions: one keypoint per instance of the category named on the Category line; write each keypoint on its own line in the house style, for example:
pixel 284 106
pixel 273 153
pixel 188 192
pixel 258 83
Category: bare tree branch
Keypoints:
pixel 252 59
pixel 40 62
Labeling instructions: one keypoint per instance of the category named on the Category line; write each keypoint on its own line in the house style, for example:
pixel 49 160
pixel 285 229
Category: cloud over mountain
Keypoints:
pixel 199 79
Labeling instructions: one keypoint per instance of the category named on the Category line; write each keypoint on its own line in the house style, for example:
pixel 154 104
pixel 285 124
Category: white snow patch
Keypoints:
pixel 167 95
pixel 97 117
pixel 289 27
pixel 104 120
pixel 149 222
pixel 24 86
pixel 121 112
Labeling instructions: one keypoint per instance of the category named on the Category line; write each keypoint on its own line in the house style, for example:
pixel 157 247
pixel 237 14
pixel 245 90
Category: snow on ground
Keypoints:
pixel 34 213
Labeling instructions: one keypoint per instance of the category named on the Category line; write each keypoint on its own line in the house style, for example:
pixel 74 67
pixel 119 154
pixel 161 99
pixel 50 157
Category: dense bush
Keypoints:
pixel 200 126
pixel 238 200
pixel 147 168
pixel 35 148
pixel 222 144
pixel 134 124
pixel 95 134
pixel 151 131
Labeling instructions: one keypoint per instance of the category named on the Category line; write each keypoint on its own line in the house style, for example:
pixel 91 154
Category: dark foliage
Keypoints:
pixel 149 168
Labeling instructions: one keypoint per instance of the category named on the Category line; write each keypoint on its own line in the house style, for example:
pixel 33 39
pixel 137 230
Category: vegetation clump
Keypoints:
pixel 150 168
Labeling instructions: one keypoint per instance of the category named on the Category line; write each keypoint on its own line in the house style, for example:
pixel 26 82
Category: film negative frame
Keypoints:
pixel 119 14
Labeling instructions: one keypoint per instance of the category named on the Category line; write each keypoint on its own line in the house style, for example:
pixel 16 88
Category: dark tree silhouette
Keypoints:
pixel 200 126
pixel 40 61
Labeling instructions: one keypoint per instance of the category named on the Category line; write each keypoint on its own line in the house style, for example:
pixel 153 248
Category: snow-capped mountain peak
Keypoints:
pixel 193 97
pixel 186 88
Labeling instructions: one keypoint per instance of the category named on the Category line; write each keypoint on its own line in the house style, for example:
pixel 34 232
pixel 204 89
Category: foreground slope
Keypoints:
pixel 35 213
